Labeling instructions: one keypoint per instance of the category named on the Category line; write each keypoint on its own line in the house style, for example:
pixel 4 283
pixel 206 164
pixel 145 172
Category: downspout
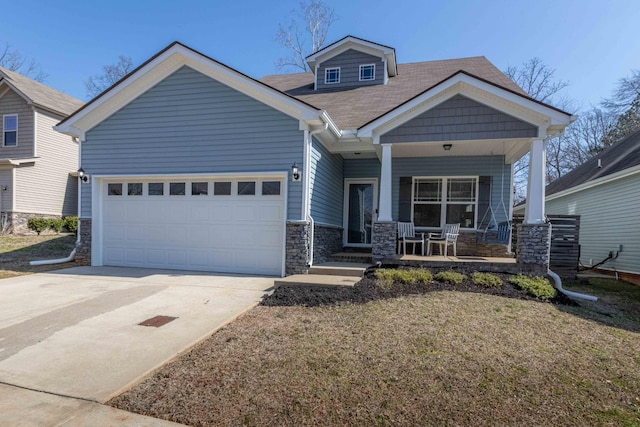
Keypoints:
pixel 307 187
pixel 558 285
pixel 72 255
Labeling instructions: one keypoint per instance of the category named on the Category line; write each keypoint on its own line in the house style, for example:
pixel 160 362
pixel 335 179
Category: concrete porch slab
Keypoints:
pixel 317 280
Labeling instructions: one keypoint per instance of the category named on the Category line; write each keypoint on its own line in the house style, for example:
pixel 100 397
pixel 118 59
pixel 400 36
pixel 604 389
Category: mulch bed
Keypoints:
pixel 368 290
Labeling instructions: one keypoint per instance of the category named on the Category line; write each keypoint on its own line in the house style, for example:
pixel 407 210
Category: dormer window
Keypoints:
pixel 332 75
pixel 367 72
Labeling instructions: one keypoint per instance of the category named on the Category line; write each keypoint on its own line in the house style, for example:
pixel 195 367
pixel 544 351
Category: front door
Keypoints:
pixel 361 202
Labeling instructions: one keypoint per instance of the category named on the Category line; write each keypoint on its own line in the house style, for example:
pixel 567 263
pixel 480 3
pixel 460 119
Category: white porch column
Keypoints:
pixel 384 209
pixel 534 211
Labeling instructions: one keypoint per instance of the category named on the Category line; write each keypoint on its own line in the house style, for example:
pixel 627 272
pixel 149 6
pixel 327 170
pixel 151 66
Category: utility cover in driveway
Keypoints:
pixel 203 224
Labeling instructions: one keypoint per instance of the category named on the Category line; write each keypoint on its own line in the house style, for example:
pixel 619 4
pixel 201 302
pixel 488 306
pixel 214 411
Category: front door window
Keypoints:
pixel 360 213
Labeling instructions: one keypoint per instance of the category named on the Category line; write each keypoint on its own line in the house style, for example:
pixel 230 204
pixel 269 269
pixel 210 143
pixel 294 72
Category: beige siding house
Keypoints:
pixel 605 192
pixel 37 163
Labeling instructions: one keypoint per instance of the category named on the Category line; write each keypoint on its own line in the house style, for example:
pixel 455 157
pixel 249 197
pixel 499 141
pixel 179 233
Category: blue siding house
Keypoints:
pixel 190 164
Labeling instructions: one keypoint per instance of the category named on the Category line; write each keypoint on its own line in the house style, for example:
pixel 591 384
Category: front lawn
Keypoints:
pixel 439 358
pixel 17 251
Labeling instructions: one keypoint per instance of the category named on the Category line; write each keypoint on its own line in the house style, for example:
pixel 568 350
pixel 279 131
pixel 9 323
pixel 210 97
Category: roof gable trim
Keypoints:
pixel 462 79
pixel 386 53
pixel 161 66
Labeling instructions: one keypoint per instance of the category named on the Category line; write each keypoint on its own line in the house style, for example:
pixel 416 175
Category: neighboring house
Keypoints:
pixel 35 160
pixel 595 190
pixel 194 165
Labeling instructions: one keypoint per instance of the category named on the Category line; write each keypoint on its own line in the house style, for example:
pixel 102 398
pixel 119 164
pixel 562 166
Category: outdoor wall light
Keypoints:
pixel 447 147
pixel 83 176
pixel 295 172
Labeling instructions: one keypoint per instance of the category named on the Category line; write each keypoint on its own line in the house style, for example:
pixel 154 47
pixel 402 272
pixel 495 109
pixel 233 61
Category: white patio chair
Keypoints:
pixel 448 236
pixel 407 234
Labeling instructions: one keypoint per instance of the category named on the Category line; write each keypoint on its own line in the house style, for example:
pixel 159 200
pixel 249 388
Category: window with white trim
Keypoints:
pixel 10 130
pixel 332 75
pixel 447 200
pixel 367 72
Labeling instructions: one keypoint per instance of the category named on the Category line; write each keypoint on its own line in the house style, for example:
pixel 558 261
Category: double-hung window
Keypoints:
pixel 10 130
pixel 446 200
pixel 332 75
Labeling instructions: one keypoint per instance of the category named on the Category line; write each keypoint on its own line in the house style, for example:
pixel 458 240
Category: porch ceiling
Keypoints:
pixel 512 149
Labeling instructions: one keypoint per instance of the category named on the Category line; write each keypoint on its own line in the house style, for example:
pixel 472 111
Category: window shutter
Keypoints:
pixel 404 211
pixel 484 201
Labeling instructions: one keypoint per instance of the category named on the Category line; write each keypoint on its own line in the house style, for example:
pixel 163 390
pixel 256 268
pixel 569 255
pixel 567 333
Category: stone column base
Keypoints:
pixel 297 250
pixel 327 240
pixel 534 247
pixel 83 247
pixel 384 238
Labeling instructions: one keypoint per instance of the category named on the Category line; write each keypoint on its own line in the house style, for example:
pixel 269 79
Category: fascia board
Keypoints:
pixel 160 68
pixel 594 183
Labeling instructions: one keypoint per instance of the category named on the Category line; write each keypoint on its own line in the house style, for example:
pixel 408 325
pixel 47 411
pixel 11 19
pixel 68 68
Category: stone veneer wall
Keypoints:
pixel 534 247
pixel 467 246
pixel 384 240
pixel 327 240
pixel 297 250
pixel 83 248
pixel 18 222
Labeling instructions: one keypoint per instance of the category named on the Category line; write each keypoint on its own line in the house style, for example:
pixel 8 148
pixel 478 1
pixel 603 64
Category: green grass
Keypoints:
pixel 17 251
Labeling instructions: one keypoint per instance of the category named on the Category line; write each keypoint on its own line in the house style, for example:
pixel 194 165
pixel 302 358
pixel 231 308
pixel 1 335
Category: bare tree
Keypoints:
pixel 538 81
pixel 624 96
pixel 97 84
pixel 13 60
pixel 304 34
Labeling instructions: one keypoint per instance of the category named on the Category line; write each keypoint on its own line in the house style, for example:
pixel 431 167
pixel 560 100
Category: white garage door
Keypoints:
pixel 226 225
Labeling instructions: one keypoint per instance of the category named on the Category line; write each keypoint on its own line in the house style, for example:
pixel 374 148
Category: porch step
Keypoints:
pixel 340 269
pixel 316 280
pixel 352 257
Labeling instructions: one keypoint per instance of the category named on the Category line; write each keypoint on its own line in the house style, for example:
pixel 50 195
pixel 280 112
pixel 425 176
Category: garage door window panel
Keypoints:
pixel 271 188
pixel 222 188
pixel 199 188
pixel 246 188
pixel 156 189
pixel 134 189
pixel 177 189
pixel 114 189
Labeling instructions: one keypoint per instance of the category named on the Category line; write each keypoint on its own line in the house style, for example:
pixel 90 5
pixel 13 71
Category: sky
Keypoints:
pixel 590 44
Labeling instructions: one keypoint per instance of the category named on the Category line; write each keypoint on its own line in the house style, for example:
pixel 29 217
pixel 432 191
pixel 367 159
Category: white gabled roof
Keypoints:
pixel 163 64
pixel 547 118
pixel 351 42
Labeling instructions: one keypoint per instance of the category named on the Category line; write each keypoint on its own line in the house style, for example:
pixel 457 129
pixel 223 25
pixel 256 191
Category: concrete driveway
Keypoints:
pixel 76 332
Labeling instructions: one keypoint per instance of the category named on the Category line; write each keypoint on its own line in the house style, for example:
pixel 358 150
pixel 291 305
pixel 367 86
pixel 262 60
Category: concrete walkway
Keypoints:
pixel 75 333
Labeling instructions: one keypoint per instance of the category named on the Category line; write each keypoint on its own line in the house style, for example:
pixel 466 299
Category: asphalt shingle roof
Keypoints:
pixel 622 155
pixel 351 108
pixel 42 95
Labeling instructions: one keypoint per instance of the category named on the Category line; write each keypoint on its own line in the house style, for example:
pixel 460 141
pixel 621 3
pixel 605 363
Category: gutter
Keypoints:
pixel 558 286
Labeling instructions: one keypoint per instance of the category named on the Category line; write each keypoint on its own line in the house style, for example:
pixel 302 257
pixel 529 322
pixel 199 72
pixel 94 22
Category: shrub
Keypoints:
pixel 386 276
pixel 451 276
pixel 485 279
pixel 56 224
pixel 38 224
pixel 71 223
pixel 539 287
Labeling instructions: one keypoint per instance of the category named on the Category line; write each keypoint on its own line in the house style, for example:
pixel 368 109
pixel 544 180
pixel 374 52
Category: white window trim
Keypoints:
pixel 443 202
pixel 4 130
pixel 326 71
pixel 360 73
